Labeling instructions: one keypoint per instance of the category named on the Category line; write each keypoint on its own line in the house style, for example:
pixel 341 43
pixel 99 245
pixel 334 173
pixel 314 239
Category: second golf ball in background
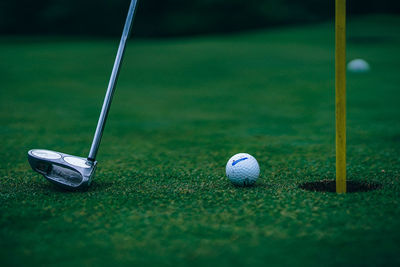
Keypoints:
pixel 242 169
pixel 358 66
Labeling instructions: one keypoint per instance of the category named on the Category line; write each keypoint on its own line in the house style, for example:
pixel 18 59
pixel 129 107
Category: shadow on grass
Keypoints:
pixel 249 186
pixel 330 186
pixel 95 187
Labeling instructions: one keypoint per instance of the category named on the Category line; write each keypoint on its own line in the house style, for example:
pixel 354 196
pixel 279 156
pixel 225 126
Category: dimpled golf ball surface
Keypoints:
pixel 242 169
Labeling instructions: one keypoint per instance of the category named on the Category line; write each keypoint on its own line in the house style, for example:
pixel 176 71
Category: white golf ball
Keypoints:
pixel 242 169
pixel 358 65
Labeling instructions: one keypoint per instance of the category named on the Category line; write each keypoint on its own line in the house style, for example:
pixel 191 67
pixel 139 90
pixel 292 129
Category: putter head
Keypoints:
pixel 67 171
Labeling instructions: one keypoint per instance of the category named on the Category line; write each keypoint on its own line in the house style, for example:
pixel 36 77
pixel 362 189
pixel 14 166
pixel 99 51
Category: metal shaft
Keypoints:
pixel 112 83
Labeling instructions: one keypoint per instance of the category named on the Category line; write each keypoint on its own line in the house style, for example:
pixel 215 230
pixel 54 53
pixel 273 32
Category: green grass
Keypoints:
pixel 181 109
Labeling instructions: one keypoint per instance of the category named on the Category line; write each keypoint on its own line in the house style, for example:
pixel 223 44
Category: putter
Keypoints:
pixel 72 172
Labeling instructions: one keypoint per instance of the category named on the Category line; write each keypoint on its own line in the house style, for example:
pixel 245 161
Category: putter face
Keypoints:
pixel 64 170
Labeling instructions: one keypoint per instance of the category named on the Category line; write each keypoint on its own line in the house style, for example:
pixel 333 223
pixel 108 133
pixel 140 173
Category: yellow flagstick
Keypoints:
pixel 340 64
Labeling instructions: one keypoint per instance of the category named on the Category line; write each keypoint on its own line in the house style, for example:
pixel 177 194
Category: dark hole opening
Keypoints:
pixel 330 186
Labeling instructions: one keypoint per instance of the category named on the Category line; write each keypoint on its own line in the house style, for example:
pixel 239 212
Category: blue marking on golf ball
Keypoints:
pixel 237 161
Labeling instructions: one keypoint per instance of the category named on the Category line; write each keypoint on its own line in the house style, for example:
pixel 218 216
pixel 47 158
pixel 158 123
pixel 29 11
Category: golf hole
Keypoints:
pixel 330 186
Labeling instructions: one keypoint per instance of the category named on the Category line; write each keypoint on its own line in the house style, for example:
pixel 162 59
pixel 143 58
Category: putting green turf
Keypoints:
pixel 181 109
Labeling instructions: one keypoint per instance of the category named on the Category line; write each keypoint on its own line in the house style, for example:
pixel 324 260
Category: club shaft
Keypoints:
pixel 112 83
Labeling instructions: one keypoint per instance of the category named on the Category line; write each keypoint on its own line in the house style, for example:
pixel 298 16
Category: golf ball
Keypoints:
pixel 358 65
pixel 242 169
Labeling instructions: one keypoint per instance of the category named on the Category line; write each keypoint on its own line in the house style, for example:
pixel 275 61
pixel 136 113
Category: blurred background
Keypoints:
pixel 166 18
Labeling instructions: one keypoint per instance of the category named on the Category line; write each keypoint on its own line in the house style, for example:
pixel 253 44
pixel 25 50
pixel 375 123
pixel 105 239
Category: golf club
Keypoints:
pixel 72 172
